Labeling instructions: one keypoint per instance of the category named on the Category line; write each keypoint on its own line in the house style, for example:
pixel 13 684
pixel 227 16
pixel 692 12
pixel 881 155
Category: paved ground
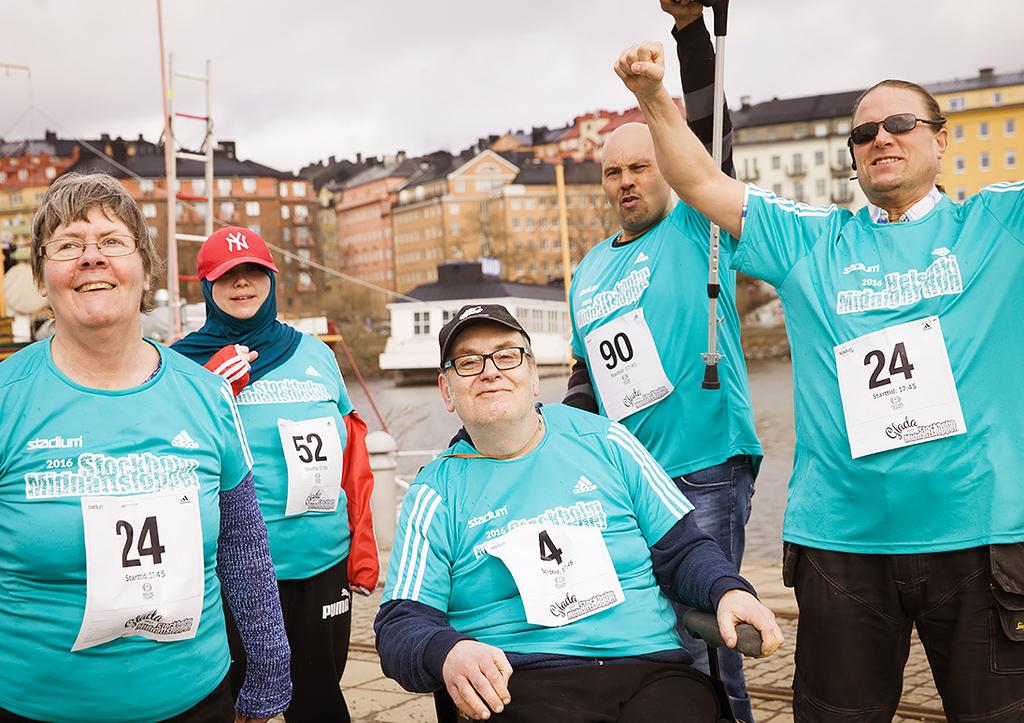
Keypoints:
pixel 372 697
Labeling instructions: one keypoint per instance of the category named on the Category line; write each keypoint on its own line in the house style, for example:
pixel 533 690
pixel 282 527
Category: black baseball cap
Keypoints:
pixel 471 314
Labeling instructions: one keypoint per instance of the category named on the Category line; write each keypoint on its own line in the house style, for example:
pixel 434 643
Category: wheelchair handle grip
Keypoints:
pixel 704 625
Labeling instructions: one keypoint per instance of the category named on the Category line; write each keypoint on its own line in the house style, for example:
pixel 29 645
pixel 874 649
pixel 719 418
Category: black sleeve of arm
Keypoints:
pixel 413 641
pixel 697 67
pixel 580 393
pixel 692 569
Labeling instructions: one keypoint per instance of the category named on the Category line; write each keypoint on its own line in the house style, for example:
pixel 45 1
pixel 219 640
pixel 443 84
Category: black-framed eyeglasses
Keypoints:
pixel 469 365
pixel 69 248
pixel 895 124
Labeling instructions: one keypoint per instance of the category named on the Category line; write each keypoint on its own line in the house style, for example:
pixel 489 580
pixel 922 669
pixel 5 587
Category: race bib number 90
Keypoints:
pixel 897 388
pixel 625 365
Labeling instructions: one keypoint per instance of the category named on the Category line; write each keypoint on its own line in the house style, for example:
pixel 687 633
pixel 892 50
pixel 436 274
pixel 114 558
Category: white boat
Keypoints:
pixel 411 351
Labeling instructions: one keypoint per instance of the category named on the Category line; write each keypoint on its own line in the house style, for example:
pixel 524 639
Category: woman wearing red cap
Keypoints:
pixel 311 469
pixel 126 499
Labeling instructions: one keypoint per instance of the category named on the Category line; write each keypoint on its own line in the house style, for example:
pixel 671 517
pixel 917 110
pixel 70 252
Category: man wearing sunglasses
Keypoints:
pixel 904 506
pixel 548 548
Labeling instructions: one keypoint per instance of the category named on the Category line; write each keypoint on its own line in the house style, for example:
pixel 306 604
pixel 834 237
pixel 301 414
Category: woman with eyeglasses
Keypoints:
pixel 311 467
pixel 905 504
pixel 126 499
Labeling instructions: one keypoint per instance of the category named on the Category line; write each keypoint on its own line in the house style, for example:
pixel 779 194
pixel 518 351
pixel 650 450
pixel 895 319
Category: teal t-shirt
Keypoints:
pixel 307 386
pixel 586 471
pixel 663 274
pixel 60 441
pixel 840 276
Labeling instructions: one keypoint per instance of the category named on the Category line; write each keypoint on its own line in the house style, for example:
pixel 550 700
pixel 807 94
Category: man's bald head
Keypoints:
pixel 632 138
pixel 639 194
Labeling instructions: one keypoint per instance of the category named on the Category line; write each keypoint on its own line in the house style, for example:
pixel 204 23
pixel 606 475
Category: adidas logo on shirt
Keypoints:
pixel 311 372
pixel 183 440
pixel 583 485
pixel 640 258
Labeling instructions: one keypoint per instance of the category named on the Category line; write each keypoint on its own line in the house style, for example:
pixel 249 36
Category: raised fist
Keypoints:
pixel 642 68
pixel 232 362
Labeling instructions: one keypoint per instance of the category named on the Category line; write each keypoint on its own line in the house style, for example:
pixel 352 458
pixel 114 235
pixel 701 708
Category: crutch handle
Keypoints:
pixel 721 11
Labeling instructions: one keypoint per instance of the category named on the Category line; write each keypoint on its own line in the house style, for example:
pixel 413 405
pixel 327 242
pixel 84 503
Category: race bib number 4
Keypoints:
pixel 625 365
pixel 312 450
pixel 144 567
pixel 563 572
pixel 897 388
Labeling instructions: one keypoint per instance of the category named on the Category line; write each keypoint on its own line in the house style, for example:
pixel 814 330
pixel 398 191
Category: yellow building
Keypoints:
pixel 986 130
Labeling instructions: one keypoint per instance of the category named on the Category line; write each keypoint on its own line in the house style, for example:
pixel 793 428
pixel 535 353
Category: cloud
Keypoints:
pixel 297 81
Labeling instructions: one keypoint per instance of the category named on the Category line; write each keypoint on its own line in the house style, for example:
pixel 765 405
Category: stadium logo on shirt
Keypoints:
pixel 57 442
pixel 488 516
pixel 184 440
pixel 311 372
pixel 640 258
pixel 941 278
pixel 583 485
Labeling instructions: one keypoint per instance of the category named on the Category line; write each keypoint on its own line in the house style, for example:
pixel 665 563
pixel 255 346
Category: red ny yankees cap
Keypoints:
pixel 230 246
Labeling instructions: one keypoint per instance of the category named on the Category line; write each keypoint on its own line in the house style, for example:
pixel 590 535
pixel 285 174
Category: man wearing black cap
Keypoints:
pixel 547 548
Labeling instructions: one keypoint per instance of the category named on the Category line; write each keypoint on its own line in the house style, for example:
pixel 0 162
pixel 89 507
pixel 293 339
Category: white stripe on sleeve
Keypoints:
pixel 667 491
pixel 416 545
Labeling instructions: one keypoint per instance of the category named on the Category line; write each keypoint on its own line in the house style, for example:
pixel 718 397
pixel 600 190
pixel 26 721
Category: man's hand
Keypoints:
pixel 642 68
pixel 739 606
pixel 683 12
pixel 239 718
pixel 476 676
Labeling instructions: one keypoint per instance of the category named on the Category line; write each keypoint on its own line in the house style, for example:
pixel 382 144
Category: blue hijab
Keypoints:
pixel 276 342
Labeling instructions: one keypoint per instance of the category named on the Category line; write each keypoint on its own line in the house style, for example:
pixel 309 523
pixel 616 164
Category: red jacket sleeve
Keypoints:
pixel 357 482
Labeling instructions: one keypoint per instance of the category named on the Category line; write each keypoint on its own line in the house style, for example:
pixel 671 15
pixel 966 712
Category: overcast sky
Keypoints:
pixel 298 80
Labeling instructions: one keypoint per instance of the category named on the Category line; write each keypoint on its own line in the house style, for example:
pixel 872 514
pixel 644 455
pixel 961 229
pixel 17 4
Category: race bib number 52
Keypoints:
pixel 897 388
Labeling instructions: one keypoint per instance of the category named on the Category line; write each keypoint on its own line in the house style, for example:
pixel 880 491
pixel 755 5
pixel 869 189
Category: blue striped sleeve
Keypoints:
pixel 420 568
pixel 658 503
pixel 777 233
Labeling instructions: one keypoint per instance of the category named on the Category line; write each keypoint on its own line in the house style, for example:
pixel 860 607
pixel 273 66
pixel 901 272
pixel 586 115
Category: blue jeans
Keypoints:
pixel 721 498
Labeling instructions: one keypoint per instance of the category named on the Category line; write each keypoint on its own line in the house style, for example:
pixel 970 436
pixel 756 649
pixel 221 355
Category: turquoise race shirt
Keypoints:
pixel 886 305
pixel 661 276
pixel 60 441
pixel 307 386
pixel 587 471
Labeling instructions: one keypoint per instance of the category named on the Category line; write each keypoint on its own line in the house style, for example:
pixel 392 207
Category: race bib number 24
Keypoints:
pixel 897 388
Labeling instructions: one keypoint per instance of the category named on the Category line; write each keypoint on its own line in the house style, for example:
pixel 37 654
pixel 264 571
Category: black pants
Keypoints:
pixel 853 639
pixel 217 707
pixel 318 619
pixel 623 692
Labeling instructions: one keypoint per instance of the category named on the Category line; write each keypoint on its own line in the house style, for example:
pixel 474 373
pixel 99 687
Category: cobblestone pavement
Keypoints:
pixel 374 698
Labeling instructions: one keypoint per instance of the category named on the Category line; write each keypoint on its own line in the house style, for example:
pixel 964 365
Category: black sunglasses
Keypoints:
pixel 899 123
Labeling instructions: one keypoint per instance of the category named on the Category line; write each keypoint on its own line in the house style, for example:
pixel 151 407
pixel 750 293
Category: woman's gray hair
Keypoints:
pixel 71 197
